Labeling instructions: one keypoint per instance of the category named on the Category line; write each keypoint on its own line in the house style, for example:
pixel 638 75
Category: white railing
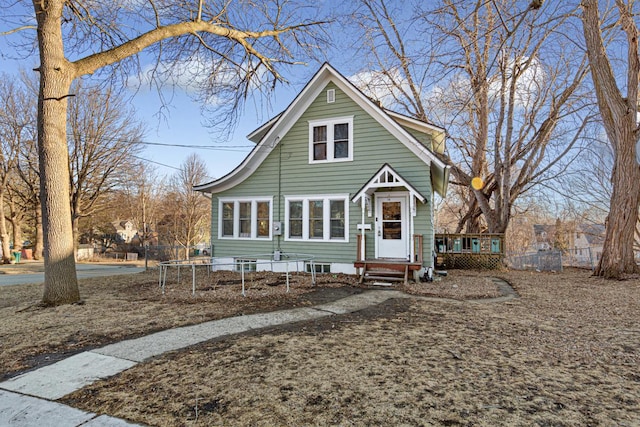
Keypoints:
pixel 241 263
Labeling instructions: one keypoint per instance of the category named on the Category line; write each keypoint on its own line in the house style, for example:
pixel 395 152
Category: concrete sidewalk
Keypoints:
pixel 29 399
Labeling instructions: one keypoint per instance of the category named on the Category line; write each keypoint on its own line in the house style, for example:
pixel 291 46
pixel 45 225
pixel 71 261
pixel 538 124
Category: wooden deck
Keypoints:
pixel 386 269
pixel 469 251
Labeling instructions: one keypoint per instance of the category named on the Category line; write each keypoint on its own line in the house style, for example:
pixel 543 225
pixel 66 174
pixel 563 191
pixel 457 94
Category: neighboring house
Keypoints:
pixel 588 240
pixel 125 230
pixel 581 243
pixel 332 170
pixel 544 237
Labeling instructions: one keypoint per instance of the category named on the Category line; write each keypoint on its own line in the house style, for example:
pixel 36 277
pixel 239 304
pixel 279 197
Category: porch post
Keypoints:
pixel 363 205
pixel 412 210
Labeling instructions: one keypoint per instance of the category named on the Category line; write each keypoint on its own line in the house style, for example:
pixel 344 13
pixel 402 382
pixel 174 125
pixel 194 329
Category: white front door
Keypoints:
pixel 392 238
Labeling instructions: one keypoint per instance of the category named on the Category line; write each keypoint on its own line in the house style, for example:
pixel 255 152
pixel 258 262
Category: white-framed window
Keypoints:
pixel 331 140
pixel 318 267
pixel 245 218
pixel 317 218
pixel 246 265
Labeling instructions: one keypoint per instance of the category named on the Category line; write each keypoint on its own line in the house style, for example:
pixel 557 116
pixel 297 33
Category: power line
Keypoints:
pixel 157 163
pixel 203 147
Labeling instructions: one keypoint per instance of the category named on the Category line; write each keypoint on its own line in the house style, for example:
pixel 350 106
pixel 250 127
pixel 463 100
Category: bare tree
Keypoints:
pixel 16 128
pixel 619 112
pixel 104 138
pixel 234 48
pixel 27 189
pixel 140 197
pixel 187 220
pixel 507 88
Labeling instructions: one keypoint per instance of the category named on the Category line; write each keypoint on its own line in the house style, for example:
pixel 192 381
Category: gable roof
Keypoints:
pixel 594 233
pixel 269 134
pixel 387 177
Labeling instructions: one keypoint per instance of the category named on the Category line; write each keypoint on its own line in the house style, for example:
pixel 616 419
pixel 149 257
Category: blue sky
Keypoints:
pixel 182 121
pixel 184 124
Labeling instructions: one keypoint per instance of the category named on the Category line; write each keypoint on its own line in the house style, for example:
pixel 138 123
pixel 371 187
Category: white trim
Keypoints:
pixel 236 217
pixel 330 123
pixel 384 178
pixel 407 220
pixel 414 123
pixel 326 218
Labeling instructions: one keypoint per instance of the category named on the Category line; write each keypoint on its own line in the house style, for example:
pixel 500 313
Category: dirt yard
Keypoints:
pixel 564 354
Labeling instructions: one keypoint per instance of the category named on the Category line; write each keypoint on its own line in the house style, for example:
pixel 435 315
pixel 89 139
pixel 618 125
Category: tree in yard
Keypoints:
pixel 187 222
pixel 234 48
pixel 16 130
pixel 508 89
pixel 104 138
pixel 24 191
pixel 617 96
pixel 28 190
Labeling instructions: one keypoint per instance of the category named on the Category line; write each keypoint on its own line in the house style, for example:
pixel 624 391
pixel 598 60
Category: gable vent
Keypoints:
pixel 386 177
pixel 331 96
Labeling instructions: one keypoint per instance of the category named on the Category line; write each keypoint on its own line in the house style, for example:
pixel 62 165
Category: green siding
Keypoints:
pixel 373 146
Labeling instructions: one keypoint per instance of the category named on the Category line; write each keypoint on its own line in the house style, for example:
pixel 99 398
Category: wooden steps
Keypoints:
pixel 386 270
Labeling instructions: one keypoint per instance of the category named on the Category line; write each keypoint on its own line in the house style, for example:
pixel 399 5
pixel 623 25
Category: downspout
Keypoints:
pixel 277 141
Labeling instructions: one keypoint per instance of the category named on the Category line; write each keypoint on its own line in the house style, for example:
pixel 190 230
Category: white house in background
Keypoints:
pixel 125 230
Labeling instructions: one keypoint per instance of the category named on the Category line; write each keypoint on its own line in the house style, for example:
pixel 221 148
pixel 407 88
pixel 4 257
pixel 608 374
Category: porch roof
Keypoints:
pixel 387 177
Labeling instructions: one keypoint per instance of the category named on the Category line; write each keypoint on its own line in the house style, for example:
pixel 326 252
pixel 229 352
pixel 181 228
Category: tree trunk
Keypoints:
pixel 76 234
pixel 4 234
pixel 39 245
pixel 17 233
pixel 618 258
pixel 619 116
pixel 60 281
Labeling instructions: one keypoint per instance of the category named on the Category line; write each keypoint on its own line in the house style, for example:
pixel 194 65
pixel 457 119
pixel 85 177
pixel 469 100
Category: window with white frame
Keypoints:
pixel 317 218
pixel 331 140
pixel 247 218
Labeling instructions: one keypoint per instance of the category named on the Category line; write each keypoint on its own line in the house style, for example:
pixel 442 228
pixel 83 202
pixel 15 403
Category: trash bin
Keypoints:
pixel 196 252
pixel 16 255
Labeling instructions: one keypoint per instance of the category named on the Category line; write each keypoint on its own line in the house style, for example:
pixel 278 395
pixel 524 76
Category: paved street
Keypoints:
pixel 31 272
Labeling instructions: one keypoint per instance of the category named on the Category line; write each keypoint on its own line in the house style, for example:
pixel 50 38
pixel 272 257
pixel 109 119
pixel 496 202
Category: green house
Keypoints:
pixel 334 176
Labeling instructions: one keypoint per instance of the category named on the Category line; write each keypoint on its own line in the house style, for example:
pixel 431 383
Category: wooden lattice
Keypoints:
pixel 473 261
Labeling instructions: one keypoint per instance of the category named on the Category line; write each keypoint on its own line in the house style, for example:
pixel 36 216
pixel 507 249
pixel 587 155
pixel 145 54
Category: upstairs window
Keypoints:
pixel 331 140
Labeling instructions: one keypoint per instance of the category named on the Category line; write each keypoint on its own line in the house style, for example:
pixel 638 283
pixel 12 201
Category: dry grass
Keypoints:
pixel 126 306
pixel 564 354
